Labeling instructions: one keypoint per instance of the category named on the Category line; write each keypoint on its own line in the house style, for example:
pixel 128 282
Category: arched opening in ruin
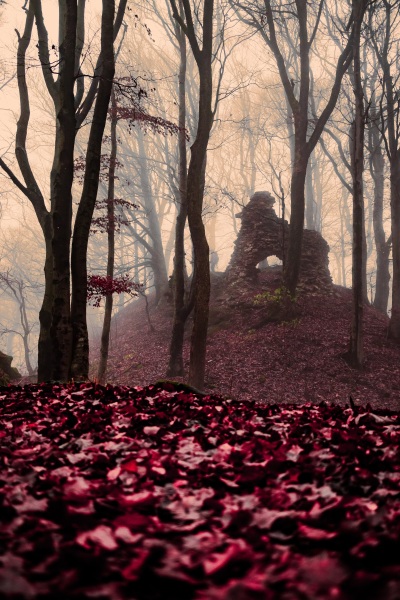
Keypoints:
pixel 271 262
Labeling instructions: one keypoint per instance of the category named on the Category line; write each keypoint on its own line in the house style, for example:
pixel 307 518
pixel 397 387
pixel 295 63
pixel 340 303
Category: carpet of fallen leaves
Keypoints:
pixel 153 493
pixel 297 361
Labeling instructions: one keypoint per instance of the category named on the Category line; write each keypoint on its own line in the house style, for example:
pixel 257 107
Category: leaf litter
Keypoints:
pixel 149 492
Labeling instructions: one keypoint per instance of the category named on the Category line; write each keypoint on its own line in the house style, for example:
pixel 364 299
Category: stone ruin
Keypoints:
pixel 264 234
pixel 7 372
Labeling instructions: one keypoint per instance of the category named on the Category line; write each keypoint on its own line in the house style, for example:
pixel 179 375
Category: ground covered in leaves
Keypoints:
pixel 298 360
pixel 154 493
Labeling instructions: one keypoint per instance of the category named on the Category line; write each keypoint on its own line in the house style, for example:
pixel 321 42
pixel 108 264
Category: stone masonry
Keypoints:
pixel 264 234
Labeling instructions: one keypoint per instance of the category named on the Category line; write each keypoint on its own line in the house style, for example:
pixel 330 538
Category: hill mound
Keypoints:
pixel 247 358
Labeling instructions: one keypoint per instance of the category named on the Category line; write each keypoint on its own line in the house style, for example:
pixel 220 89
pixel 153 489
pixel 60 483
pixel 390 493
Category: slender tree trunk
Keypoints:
pixel 342 238
pixel 195 184
pixel 356 349
pixel 201 275
pixel 157 255
pixel 105 334
pixel 80 342
pixel 377 169
pixel 181 312
pixel 297 204
pixel 394 324
pixel 310 203
pixel 26 330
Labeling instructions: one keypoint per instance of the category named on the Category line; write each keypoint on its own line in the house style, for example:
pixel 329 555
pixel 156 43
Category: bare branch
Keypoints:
pixel 314 33
pixel 80 40
pixel 31 190
pixel 87 104
pixel 44 55
pixel 188 27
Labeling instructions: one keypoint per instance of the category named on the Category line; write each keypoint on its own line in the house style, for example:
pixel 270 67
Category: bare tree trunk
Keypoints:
pixel 26 330
pixel 377 170
pixel 105 334
pixel 181 309
pixel 394 324
pixel 389 115
pixel 195 186
pixel 157 255
pixel 356 349
pixel 342 238
pixel 297 198
pixel 310 202
pixel 80 342
pixel 61 196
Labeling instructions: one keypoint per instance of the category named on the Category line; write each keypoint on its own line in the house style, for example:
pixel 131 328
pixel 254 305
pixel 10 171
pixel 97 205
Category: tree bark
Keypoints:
pixel 61 195
pixel 105 334
pixel 195 186
pixel 356 348
pixel 389 115
pixel 296 226
pixel 80 341
pixel 394 324
pixel 377 170
pixel 175 364
pixel 157 252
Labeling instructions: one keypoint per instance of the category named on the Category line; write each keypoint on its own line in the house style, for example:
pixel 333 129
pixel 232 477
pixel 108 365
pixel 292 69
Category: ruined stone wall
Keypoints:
pixel 264 234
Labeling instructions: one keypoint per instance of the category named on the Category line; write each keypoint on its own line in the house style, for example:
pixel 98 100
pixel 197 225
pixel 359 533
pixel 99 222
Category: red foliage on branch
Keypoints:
pixel 136 114
pixel 104 224
pixel 100 286
pixel 129 96
pixel 80 167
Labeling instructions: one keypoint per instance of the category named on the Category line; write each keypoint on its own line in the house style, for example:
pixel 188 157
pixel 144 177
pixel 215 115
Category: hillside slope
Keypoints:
pixel 297 361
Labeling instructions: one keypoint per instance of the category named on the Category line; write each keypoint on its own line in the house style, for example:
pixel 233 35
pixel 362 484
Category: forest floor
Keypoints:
pixel 148 493
pixel 277 490
pixel 297 361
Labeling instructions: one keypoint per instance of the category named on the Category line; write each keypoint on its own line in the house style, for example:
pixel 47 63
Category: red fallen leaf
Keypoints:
pixel 134 521
pixel 124 534
pixel 132 571
pixel 114 473
pixel 130 466
pixel 218 560
pixel 264 517
pixel 86 509
pixel 102 536
pixel 315 534
pixel 31 504
pixel 178 483
pixel 229 483
pixel 76 488
pixel 151 430
pixel 159 470
pixel 141 498
pixel 76 458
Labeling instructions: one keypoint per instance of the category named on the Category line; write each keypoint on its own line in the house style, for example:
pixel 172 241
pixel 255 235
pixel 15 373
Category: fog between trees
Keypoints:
pixel 272 66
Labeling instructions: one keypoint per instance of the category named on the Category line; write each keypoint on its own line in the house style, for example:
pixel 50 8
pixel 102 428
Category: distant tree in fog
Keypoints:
pixel 298 25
